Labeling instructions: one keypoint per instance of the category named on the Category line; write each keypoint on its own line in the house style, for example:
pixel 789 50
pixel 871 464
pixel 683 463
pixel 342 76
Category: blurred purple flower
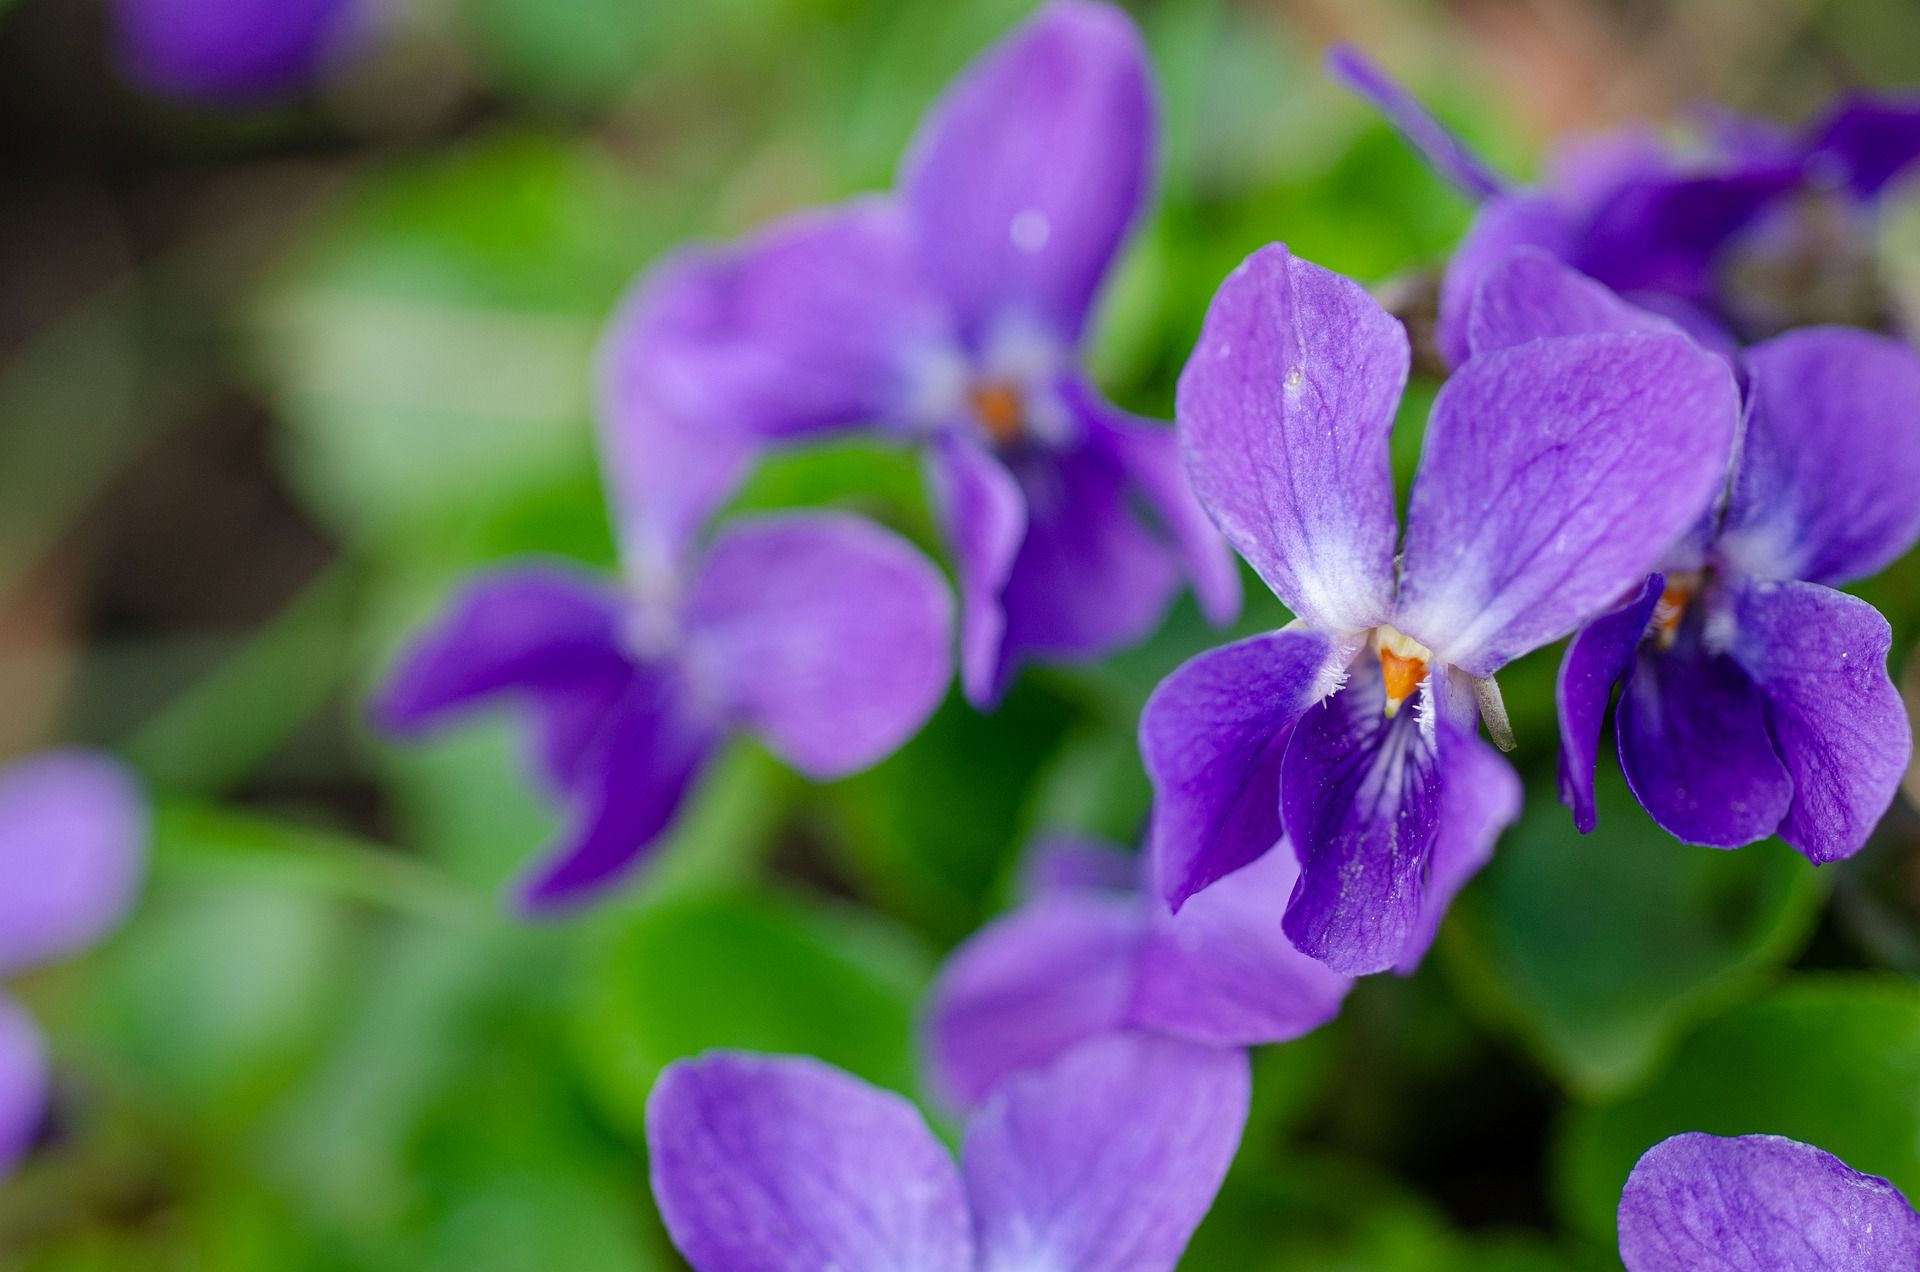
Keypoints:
pixel 1760 1203
pixel 1104 1161
pixel 231 51
pixel 1554 475
pixel 1755 697
pixel 73 836
pixel 1681 235
pixel 949 315
pixel 821 633
pixel 1083 958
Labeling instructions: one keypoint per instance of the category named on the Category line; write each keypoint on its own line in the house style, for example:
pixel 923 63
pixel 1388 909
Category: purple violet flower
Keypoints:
pixel 949 315
pixel 1089 954
pixel 73 834
pixel 1755 698
pixel 1760 1203
pixel 1105 1160
pixel 1554 475
pixel 1734 240
pixel 231 51
pixel 821 633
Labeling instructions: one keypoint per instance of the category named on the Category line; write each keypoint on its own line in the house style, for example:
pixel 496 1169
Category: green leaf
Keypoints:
pixel 1598 949
pixel 430 351
pixel 753 971
pixel 1833 1061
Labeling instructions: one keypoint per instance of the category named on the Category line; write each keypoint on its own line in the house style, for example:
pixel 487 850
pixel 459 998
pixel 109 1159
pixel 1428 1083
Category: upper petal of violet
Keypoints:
pixel 825 634
pixel 1026 176
pixel 766 1163
pixel 1532 295
pixel 1502 225
pixel 1107 1159
pixel 1824 490
pixel 1452 158
pixel 73 846
pixel 1554 476
pixel 820 321
pixel 1760 1203
pixel 1284 413
pixel 232 51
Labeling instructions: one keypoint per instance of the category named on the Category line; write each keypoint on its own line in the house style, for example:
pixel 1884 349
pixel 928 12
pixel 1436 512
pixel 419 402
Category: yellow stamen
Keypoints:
pixel 997 405
pixel 1403 665
pixel 1672 607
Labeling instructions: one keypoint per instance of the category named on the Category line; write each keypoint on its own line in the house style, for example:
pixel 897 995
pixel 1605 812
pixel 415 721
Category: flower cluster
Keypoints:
pixel 1628 450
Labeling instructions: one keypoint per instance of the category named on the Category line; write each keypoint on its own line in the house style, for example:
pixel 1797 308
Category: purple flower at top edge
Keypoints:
pixel 73 835
pixel 1731 241
pixel 1089 954
pixel 1105 1160
pixel 1760 1203
pixel 1555 474
pixel 1755 697
pixel 949 315
pixel 231 51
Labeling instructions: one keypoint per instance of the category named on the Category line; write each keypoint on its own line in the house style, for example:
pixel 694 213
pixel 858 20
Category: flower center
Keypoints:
pixel 998 406
pixel 1672 606
pixel 1403 665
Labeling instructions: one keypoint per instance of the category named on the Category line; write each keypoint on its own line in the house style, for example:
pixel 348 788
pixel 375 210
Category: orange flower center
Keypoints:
pixel 997 405
pixel 1672 607
pixel 1403 665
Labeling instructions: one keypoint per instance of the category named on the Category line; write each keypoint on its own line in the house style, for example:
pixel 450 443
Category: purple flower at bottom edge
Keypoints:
pixel 1554 475
pixel 1105 1160
pixel 821 633
pixel 1082 957
pixel 73 833
pixel 1755 698
pixel 1671 233
pixel 1760 1203
pixel 231 51
pixel 949 315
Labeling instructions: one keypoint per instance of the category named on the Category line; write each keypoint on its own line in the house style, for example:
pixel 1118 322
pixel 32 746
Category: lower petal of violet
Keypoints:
pixel 770 1162
pixel 826 635
pixel 1760 1203
pixel 1222 972
pixel 545 635
pixel 1360 796
pixel 1090 576
pixel 1819 659
pixel 1031 984
pixel 984 517
pixel 1693 746
pixel 1107 1159
pixel 627 792
pixel 1597 657
pixel 1149 455
pixel 1212 737
pixel 24 1083
pixel 1480 797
